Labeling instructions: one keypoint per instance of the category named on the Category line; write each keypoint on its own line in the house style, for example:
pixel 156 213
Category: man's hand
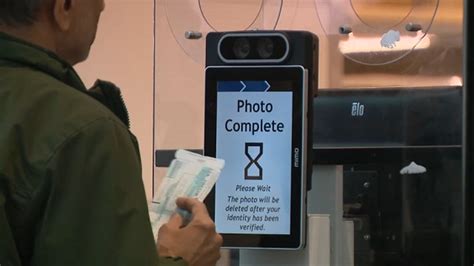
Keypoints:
pixel 197 243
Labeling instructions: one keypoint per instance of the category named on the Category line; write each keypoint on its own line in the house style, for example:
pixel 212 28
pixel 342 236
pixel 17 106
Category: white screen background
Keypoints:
pixel 271 213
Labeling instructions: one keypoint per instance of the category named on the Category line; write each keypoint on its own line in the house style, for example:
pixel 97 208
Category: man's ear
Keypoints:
pixel 62 13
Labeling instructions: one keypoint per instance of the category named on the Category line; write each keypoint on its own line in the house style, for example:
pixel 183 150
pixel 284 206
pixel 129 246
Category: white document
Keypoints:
pixel 189 175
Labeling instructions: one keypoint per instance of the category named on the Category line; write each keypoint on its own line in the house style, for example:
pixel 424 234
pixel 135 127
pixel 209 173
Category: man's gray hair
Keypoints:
pixel 19 12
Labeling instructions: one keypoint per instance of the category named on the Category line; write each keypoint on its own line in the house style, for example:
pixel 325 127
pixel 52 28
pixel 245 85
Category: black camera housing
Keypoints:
pixel 283 48
pixel 295 48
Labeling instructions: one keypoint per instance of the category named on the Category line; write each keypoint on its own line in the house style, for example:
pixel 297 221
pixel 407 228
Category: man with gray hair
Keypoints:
pixel 71 190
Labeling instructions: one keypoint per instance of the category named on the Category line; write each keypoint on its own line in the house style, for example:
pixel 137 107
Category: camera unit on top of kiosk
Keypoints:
pixel 259 96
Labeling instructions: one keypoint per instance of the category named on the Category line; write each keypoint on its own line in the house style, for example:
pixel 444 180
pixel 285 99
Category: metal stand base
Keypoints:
pixel 316 253
pixel 330 239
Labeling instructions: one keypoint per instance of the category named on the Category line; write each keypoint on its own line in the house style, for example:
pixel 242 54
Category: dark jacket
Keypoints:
pixel 71 190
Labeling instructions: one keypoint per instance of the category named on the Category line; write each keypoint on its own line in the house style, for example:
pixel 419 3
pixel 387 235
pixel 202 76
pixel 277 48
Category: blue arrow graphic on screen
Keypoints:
pixel 256 86
pixel 243 86
pixel 229 86
pixel 268 86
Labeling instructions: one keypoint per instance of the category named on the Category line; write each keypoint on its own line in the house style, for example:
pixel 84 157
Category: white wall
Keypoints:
pixel 123 54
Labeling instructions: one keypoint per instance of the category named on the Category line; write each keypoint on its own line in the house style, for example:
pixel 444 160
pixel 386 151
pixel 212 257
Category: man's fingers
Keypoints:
pixel 176 221
pixel 192 205
pixel 186 203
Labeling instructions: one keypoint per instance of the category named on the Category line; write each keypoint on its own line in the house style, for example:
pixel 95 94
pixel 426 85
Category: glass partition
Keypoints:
pixel 388 110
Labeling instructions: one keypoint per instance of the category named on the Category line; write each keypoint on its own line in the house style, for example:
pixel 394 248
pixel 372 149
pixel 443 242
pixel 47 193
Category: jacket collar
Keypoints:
pixel 18 52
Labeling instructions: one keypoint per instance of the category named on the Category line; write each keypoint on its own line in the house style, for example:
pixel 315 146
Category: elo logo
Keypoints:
pixel 357 109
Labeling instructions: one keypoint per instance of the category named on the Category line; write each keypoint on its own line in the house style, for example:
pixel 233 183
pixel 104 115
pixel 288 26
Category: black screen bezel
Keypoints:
pixel 296 75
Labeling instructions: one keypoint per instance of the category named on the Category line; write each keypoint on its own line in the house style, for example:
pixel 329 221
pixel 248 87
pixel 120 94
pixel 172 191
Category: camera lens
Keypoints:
pixel 265 48
pixel 241 48
pixel 253 47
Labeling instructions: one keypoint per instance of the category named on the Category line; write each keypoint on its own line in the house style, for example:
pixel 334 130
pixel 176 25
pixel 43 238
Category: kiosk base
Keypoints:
pixel 316 253
pixel 330 239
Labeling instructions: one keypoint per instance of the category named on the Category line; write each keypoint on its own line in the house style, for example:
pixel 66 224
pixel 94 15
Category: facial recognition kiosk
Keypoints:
pixel 373 181
pixel 369 173
pixel 259 91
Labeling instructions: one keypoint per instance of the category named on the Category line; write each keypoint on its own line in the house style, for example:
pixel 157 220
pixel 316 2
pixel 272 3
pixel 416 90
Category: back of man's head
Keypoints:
pixel 66 27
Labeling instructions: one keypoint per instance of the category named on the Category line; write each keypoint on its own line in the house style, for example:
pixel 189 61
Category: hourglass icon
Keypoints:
pixel 253 151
